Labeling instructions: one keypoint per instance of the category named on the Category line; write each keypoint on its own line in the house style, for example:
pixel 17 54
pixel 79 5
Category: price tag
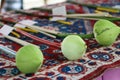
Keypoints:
pixel 59 11
pixel 27 22
pixel 5 30
pixel 19 25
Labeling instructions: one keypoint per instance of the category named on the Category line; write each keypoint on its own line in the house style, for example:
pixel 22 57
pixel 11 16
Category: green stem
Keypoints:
pixel 63 35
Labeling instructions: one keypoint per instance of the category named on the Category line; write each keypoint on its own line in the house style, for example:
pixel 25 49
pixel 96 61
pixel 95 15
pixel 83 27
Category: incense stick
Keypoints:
pixel 88 15
pixel 54 44
pixel 14 33
pixel 43 29
pixel 19 41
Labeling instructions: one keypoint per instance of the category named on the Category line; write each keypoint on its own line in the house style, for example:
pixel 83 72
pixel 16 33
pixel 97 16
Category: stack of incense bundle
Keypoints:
pixel 43 41
pixel 57 34
pixel 88 16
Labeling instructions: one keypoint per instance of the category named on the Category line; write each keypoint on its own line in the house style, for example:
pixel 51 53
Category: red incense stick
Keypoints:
pixel 54 44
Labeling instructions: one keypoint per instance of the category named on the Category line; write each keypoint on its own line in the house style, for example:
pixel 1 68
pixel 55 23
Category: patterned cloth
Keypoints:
pixel 56 67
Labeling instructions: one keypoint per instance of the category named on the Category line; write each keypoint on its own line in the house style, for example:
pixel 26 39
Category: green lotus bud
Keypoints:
pixel 29 59
pixel 73 47
pixel 105 32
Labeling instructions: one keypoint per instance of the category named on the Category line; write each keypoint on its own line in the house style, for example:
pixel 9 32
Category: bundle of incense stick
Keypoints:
pixel 42 30
pixel 15 22
pixel 101 8
pixel 61 34
pixel 43 16
pixel 54 44
pixel 57 34
pixel 38 39
pixel 19 41
pixel 88 16
pixel 68 15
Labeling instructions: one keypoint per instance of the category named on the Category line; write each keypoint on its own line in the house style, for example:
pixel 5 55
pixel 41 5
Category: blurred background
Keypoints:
pixel 25 4
pixel 37 3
